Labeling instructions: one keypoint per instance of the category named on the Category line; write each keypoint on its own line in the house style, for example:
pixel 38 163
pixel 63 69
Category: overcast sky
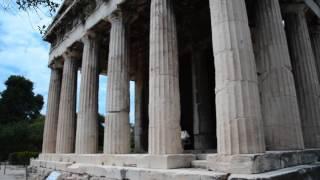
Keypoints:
pixel 23 52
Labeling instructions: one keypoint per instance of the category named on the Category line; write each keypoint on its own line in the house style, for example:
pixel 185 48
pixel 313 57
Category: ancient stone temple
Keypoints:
pixel 224 89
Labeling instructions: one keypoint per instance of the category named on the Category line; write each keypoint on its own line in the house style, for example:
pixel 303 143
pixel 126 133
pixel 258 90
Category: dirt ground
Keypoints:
pixel 12 172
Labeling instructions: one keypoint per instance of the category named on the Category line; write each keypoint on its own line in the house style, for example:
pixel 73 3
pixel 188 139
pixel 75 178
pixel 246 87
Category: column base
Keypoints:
pixel 173 161
pixel 260 163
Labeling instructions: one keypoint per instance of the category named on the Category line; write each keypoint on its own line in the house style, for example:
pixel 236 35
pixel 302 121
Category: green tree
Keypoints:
pixel 21 124
pixel 18 102
pixel 40 7
pixel 22 136
pixel 13 138
pixel 35 135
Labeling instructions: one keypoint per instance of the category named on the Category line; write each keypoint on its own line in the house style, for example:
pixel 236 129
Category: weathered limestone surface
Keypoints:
pixel 87 125
pixel 260 163
pixel 164 95
pixel 280 111
pixel 315 38
pixel 305 72
pixel 50 128
pixel 67 107
pixel 117 128
pixel 306 172
pixel 239 123
pixel 136 166
pixel 99 172
pixel 169 161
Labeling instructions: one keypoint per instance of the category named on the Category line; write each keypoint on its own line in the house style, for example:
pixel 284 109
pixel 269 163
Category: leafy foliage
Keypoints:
pixel 48 7
pixel 40 7
pixel 18 102
pixel 35 4
pixel 21 158
pixel 21 136
pixel 21 124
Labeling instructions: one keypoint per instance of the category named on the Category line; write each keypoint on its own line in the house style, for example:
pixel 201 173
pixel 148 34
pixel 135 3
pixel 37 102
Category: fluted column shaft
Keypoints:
pixel 164 95
pixel 87 123
pixel 280 111
pixel 305 72
pixel 117 128
pixel 67 108
pixel 315 38
pixel 50 126
pixel 239 123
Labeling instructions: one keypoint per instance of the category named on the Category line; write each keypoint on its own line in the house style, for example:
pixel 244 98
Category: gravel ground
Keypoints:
pixel 12 173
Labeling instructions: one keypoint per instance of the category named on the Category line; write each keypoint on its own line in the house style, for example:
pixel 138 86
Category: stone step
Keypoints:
pixel 201 156
pixel 201 164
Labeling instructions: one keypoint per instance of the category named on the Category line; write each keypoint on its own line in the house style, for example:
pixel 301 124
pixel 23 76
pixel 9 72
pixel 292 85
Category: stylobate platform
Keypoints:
pixel 303 164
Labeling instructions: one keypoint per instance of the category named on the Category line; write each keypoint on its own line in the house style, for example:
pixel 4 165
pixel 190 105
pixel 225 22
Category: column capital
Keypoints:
pixel 71 54
pixel 89 35
pixel 55 64
pixel 116 17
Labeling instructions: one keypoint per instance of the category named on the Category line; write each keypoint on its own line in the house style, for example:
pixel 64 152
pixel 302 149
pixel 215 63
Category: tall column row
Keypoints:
pixel 277 111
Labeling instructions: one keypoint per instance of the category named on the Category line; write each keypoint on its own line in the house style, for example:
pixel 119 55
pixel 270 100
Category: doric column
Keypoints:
pixel 50 127
pixel 239 123
pixel 87 123
pixel 280 112
pixel 315 38
pixel 164 95
pixel 67 108
pixel 117 128
pixel 305 72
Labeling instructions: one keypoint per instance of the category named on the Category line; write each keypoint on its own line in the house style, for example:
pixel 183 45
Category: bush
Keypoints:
pixel 21 158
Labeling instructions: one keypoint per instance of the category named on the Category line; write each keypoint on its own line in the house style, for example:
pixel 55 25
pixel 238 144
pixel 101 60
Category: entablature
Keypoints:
pixel 76 17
